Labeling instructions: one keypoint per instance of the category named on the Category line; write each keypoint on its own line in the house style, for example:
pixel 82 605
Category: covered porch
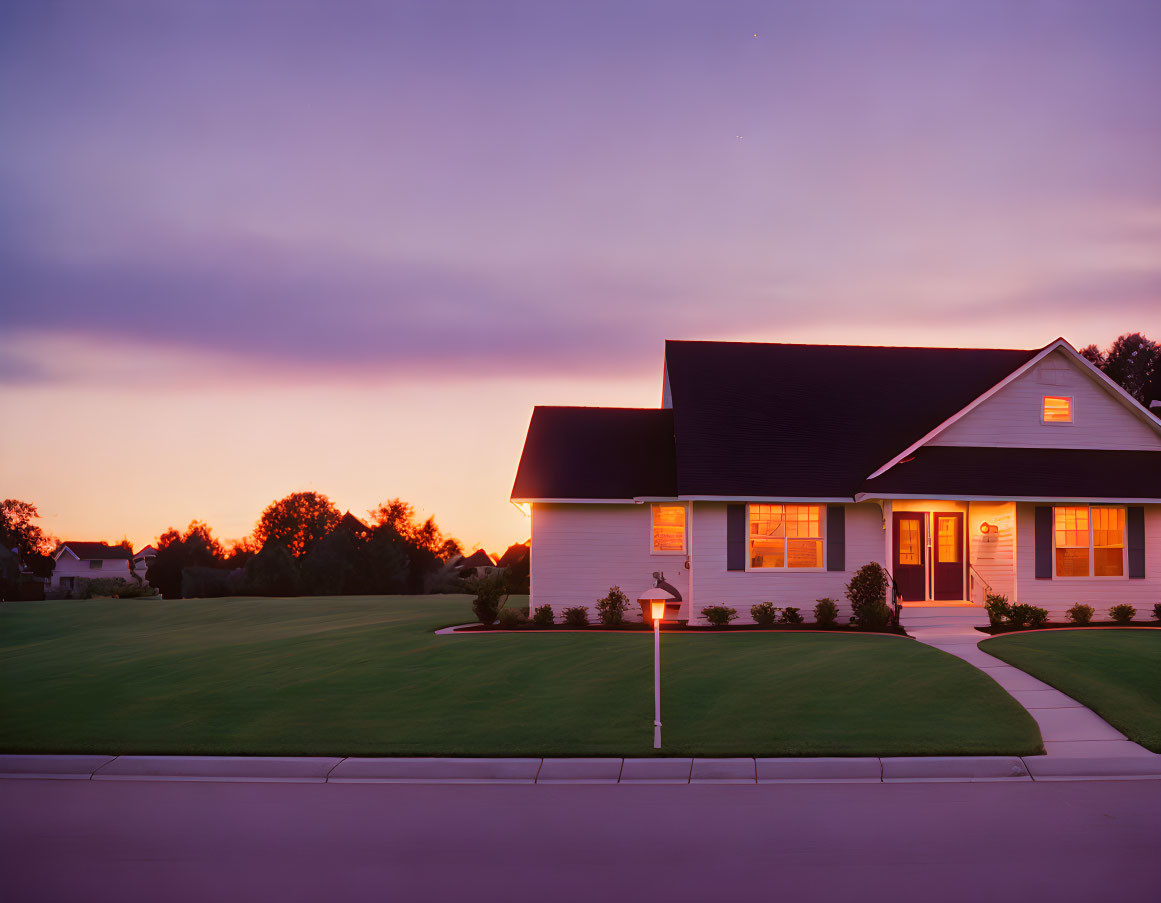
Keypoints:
pixel 949 553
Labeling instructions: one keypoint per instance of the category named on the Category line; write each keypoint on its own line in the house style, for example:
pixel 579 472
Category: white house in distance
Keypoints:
pixel 772 472
pixel 89 560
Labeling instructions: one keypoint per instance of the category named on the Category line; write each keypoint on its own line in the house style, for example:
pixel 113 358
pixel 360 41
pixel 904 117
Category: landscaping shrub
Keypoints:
pixel 997 607
pixel 1020 616
pixel 867 593
pixel 1122 613
pixel 542 616
pixel 719 615
pixel 136 591
pixel 491 594
pixel 512 617
pixel 1037 617
pixel 764 614
pixel 92 587
pixel 1080 614
pixel 611 609
pixel 578 616
pixel 1157 612
pixel 825 613
pixel 791 616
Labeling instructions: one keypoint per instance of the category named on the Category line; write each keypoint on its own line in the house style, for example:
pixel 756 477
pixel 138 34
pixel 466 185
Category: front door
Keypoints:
pixel 910 571
pixel 947 556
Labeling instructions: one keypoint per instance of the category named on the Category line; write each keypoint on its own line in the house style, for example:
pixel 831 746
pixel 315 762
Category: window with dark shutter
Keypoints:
pixel 1135 528
pixel 736 536
pixel 1043 542
pixel 836 537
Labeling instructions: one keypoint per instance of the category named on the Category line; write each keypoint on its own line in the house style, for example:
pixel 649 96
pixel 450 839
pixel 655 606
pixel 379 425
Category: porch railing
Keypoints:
pixel 973 576
pixel 893 599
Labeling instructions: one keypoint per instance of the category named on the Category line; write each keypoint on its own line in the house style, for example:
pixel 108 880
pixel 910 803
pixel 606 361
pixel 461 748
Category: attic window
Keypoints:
pixel 1057 409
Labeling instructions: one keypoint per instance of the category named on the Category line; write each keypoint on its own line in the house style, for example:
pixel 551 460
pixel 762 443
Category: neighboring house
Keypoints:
pixel 89 560
pixel 773 472
pixel 515 555
pixel 142 560
pixel 478 564
pixel 353 525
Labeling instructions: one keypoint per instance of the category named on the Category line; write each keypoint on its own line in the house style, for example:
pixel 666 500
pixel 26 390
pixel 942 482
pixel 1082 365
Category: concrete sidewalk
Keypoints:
pixel 1069 729
pixel 338 770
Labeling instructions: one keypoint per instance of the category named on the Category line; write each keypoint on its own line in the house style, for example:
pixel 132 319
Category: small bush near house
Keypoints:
pixel 1080 614
pixel 1157 612
pixel 611 609
pixel 491 594
pixel 867 593
pixel 91 588
pixel 764 614
pixel 1037 617
pixel 1122 613
pixel 136 591
pixel 512 617
pixel 719 615
pixel 825 613
pixel 577 616
pixel 791 616
pixel 1020 616
pixel 997 608
pixel 543 616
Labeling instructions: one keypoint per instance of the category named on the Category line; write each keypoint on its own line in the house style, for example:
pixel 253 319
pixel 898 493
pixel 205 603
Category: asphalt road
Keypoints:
pixel 136 841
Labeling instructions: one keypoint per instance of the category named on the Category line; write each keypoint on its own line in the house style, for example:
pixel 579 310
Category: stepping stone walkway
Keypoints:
pixel 1068 728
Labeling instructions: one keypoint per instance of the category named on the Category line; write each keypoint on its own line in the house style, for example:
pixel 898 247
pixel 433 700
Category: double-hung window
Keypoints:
pixel 668 528
pixel 1089 541
pixel 785 536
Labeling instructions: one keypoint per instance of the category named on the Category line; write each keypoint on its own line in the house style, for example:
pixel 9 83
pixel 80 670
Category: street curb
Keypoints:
pixel 580 770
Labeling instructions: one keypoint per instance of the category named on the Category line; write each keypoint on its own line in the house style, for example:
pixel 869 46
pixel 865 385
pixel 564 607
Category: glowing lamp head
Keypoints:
pixel 657 608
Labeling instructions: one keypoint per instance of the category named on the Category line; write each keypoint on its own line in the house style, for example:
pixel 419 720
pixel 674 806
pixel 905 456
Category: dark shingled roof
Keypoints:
pixel 597 453
pixel 87 551
pixel 1023 472
pixel 478 558
pixel 812 420
pixel 515 553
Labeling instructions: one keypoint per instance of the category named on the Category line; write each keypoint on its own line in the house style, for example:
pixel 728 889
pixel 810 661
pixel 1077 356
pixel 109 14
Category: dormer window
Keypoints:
pixel 1057 409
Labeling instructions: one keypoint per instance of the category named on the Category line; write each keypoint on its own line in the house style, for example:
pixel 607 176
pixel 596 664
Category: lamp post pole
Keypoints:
pixel 657 682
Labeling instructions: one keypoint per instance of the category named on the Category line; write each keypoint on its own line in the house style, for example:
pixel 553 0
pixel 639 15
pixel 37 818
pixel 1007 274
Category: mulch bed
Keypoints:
pixel 1068 625
pixel 679 628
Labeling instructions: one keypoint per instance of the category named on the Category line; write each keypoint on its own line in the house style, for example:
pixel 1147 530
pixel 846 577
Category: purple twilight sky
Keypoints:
pixel 253 247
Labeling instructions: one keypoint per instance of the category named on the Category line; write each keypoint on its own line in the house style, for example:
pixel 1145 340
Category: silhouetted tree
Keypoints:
pixel 398 515
pixel 296 522
pixel 17 530
pixel 1132 362
pixel 273 572
pixel 197 547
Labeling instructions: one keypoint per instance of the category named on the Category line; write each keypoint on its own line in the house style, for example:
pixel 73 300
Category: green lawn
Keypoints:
pixel 1116 673
pixel 366 676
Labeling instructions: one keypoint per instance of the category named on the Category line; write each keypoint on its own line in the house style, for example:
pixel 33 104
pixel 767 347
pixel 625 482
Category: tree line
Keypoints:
pixel 301 545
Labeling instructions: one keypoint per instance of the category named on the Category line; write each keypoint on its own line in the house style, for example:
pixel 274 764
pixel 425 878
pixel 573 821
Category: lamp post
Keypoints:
pixel 657 609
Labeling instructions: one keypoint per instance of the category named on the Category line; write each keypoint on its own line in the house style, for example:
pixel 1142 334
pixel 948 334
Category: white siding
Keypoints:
pixel 67 566
pixel 1011 417
pixel 714 585
pixel 993 555
pixel 579 551
pixel 1059 594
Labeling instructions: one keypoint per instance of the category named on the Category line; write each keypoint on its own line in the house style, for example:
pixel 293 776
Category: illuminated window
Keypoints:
pixel 1089 540
pixel 785 536
pixel 1108 542
pixel 910 548
pixel 1057 409
pixel 947 536
pixel 669 528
